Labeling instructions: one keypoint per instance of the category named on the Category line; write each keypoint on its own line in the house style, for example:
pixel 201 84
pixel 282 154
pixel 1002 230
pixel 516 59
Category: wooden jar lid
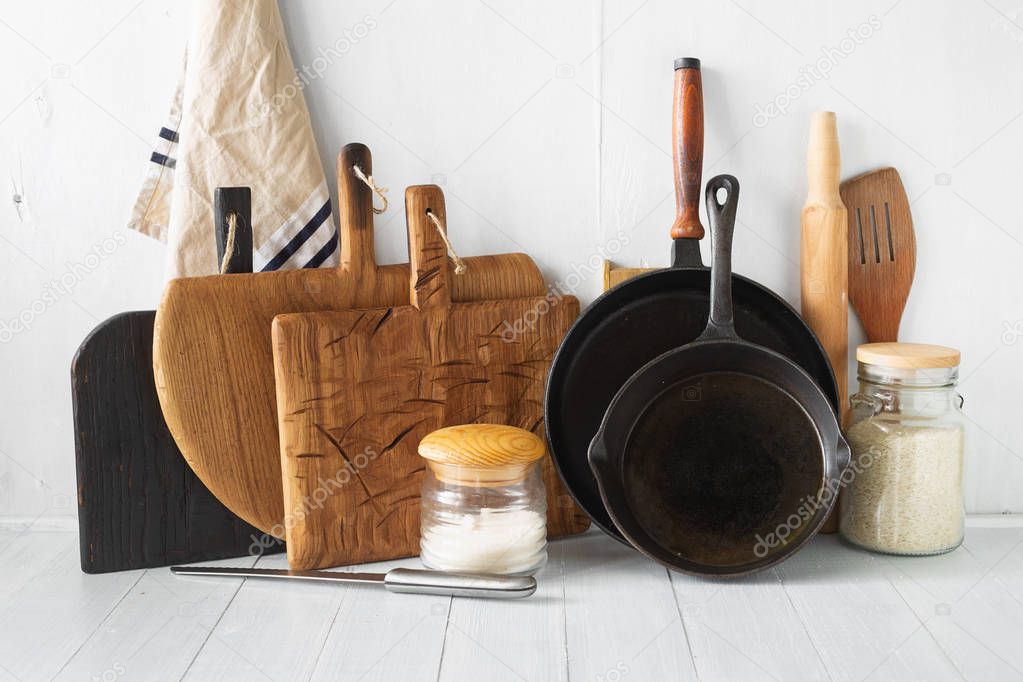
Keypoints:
pixel 907 355
pixel 481 454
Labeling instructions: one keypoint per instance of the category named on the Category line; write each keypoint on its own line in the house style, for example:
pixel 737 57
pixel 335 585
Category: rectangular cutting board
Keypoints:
pixel 357 390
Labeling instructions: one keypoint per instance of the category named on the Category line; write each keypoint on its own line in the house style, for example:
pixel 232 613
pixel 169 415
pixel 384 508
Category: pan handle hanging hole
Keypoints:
pixel 721 196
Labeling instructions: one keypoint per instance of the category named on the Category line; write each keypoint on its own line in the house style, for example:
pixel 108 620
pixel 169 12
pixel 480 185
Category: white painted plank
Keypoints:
pixel 271 630
pixel 158 628
pixel 378 635
pixel 621 617
pixel 615 614
pixel 746 629
pixel 918 658
pixel 935 587
pixel 991 612
pixel 855 617
pixel 49 607
pixel 288 630
pixel 943 580
pixel 511 640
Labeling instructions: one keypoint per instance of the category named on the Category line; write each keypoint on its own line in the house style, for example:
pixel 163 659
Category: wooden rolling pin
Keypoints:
pixel 824 277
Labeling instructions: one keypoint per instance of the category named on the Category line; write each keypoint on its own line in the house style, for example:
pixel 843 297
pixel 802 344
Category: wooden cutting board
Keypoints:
pixel 212 356
pixel 357 390
pixel 139 505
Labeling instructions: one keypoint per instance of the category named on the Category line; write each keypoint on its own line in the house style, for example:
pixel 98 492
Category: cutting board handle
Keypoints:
pixel 687 133
pixel 429 266
pixel 355 207
pixel 237 200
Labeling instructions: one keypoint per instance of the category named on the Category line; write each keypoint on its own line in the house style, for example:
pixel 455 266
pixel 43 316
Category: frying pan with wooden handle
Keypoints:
pixel 656 312
pixel 707 454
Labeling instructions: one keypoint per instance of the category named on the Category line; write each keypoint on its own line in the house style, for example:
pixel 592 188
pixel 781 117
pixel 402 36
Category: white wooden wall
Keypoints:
pixel 548 125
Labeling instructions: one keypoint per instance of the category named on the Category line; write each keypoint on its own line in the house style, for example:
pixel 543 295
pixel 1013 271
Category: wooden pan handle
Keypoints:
pixel 687 131
pixel 355 210
pixel 429 266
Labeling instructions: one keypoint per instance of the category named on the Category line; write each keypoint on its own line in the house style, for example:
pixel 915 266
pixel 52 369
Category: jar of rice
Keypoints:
pixel 904 487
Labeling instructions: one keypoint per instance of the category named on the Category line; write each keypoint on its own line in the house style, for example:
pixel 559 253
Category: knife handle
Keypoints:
pixel 415 581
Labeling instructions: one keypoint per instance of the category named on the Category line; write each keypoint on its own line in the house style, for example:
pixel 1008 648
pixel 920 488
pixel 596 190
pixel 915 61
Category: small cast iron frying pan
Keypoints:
pixel 655 312
pixel 720 457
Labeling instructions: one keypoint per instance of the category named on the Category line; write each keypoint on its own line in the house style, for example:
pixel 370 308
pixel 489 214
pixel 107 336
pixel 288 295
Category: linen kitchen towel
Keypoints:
pixel 239 118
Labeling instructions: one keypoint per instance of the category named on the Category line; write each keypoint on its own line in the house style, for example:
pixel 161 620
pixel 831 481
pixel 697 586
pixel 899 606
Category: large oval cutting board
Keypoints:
pixel 212 356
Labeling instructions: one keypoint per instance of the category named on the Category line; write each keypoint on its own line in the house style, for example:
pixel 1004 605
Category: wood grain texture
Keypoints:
pixel 687 132
pixel 482 445
pixel 213 359
pixel 358 390
pixel 139 505
pixel 823 261
pixel 823 256
pixel 823 244
pixel 614 275
pixel 481 454
pixel 882 251
pixel 908 355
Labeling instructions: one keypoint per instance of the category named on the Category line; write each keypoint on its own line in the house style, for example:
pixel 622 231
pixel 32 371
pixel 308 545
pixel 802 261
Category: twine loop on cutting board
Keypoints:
pixel 459 263
pixel 232 232
pixel 379 191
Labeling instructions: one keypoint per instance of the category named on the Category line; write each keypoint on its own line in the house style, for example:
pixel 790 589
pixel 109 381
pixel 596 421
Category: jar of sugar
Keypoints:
pixel 903 490
pixel 484 508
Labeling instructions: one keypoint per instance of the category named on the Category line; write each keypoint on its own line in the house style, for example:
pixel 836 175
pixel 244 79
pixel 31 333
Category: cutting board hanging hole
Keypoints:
pixel 379 191
pixel 232 233
pixel 233 217
pixel 459 263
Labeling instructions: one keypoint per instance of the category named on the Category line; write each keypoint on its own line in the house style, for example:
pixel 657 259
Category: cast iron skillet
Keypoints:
pixel 656 312
pixel 720 457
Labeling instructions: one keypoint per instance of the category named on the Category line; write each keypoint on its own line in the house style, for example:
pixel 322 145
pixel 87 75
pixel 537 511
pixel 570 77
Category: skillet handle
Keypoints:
pixel 687 133
pixel 721 324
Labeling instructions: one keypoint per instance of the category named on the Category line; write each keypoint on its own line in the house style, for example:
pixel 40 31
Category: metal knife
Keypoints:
pixel 407 580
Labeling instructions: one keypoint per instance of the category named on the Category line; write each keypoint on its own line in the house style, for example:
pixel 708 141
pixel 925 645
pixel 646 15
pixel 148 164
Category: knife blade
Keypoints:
pixel 401 580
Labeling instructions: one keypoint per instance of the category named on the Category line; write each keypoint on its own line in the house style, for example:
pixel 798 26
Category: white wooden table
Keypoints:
pixel 602 613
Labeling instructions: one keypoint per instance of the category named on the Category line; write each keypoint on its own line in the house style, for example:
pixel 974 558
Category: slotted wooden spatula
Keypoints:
pixel 882 251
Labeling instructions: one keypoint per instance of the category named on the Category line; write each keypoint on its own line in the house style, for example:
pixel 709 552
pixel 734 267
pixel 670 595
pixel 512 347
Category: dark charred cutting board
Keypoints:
pixel 139 504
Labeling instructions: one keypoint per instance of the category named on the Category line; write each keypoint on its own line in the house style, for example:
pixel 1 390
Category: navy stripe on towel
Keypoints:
pixel 168 134
pixel 328 249
pixel 299 239
pixel 163 160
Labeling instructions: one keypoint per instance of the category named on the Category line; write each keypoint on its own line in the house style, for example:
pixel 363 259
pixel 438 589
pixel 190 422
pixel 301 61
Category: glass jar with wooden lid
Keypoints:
pixel 484 508
pixel 904 486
